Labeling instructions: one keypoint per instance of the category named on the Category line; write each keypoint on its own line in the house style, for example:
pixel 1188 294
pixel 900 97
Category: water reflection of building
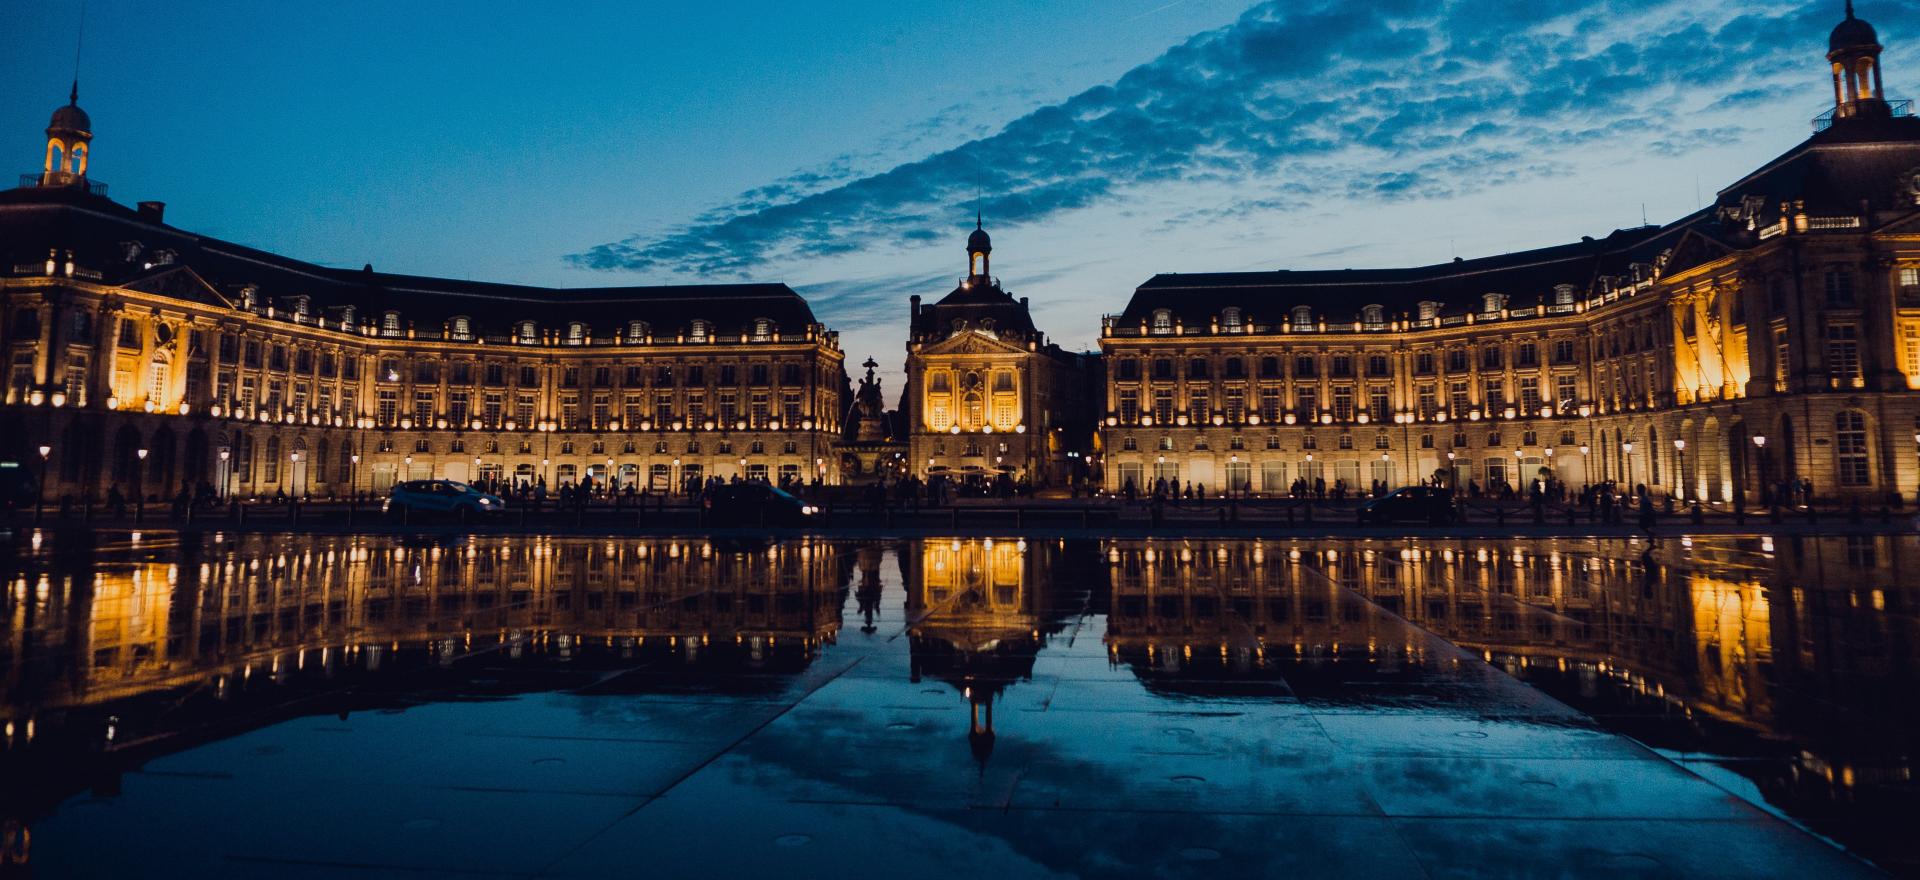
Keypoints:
pixel 1735 645
pixel 978 617
pixel 230 613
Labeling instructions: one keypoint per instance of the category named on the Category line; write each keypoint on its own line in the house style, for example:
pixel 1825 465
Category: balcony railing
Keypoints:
pixel 61 178
pixel 1900 108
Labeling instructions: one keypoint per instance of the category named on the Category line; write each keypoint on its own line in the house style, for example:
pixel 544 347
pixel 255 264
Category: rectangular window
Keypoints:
pixel 1843 355
pixel 1236 408
pixel 1306 403
pixel 423 409
pixel 1782 363
pixel 1197 407
pixel 663 408
pixel 1458 401
pixel 1129 407
pixel 1840 288
pixel 570 412
pixel 1493 395
pixel 387 407
pixel 459 412
pixel 1565 390
pixel 1529 395
pixel 1163 406
pixel 1270 404
pixel 1850 448
pixel 1429 401
pixel 1343 403
pixel 523 407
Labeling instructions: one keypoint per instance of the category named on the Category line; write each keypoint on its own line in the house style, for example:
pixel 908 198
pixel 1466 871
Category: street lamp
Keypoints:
pixel 1626 462
pixel 295 458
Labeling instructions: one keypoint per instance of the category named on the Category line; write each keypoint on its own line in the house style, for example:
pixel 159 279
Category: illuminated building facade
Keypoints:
pixel 1772 336
pixel 987 394
pixel 259 374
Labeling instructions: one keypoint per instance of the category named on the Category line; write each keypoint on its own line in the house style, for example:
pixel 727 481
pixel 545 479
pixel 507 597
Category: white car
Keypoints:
pixel 441 496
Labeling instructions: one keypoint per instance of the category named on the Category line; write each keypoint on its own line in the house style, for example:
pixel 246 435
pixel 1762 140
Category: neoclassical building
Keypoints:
pixel 137 351
pixel 1772 336
pixel 987 394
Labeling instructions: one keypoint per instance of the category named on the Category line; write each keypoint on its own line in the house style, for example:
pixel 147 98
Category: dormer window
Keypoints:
pixel 300 305
pixel 460 328
pixel 1492 303
pixel 390 324
pixel 1374 316
pixel 959 325
pixel 986 327
pixel 1230 320
pixel 249 297
pixel 1162 321
pixel 1302 318
pixel 700 331
pixel 1563 294
pixel 527 333
pixel 1429 310
pixel 762 329
pixel 576 333
pixel 638 331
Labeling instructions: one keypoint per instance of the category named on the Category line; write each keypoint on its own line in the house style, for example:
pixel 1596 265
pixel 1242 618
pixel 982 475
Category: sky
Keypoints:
pixel 843 148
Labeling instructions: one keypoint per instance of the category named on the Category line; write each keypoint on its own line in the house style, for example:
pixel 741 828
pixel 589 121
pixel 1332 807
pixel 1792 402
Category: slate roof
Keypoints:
pixel 1834 173
pixel 34 220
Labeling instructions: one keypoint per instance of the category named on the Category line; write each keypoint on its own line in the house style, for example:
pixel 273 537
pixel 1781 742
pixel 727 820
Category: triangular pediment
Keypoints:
pixel 972 342
pixel 1693 249
pixel 178 282
pixel 1908 225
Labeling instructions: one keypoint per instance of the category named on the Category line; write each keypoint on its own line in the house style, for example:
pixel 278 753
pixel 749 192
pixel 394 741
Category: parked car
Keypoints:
pixel 756 504
pixel 442 496
pixel 1411 504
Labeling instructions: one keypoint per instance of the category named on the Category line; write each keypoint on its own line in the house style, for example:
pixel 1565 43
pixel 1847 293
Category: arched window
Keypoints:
pixel 527 333
pixel 975 410
pixel 637 331
pixel 1302 318
pixel 1374 315
pixel 158 377
pixel 576 333
pixel 79 153
pixel 56 156
pixel 700 330
pixel 390 324
pixel 1230 319
pixel 1162 321
pixel 462 328
pixel 763 329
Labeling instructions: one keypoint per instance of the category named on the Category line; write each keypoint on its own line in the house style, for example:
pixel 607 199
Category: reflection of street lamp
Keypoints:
pixel 40 499
pixel 139 475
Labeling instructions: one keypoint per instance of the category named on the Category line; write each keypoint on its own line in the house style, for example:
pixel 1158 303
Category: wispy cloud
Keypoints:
pixel 1303 102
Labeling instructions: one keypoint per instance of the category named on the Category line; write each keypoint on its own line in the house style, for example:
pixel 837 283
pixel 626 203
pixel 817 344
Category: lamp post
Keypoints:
pixel 298 474
pixel 1680 466
pixel 1586 464
pixel 139 495
pixel 40 492
pixel 1626 462
pixel 226 474
pixel 1453 473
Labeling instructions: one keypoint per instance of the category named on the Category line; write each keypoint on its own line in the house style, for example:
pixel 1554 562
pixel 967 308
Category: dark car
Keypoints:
pixel 1411 504
pixel 442 496
pixel 755 504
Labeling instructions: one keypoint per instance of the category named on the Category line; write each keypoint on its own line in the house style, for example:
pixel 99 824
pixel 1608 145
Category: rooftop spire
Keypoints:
pixel 73 97
pixel 1849 8
pixel 979 216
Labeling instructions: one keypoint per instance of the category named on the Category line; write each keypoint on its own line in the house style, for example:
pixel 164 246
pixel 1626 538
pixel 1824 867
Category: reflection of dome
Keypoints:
pixel 1853 33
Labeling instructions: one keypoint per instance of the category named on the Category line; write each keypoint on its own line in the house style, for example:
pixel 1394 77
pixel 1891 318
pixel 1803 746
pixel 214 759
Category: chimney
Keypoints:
pixel 913 307
pixel 152 212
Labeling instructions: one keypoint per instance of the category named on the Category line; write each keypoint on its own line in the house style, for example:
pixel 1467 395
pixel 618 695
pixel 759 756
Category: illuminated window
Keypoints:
pixel 1230 320
pixel 1850 448
pixel 699 331
pixel 1162 321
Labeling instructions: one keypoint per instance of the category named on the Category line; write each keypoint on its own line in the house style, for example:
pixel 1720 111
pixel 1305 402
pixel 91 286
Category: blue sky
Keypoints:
pixel 843 148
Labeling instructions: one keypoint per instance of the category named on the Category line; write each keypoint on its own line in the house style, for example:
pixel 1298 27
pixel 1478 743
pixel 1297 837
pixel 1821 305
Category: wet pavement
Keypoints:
pixel 319 706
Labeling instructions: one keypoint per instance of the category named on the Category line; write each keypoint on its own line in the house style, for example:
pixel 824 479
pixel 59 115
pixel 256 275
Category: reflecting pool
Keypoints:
pixel 317 706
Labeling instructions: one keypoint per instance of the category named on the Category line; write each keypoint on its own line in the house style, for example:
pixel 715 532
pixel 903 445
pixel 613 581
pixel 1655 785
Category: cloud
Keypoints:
pixel 1306 102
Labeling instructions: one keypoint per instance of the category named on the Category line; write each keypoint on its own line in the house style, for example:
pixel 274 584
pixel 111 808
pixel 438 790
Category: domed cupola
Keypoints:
pixel 1854 51
pixel 979 249
pixel 69 143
